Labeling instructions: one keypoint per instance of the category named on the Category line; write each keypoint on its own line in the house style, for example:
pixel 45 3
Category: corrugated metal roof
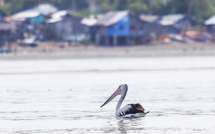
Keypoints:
pixel 149 18
pixel 171 19
pixel 111 17
pixel 44 9
pixel 59 14
pixel 25 15
pixel 89 21
pixel 210 21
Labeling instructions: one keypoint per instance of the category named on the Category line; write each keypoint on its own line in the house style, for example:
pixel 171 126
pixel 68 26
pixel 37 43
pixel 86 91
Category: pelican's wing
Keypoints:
pixel 130 109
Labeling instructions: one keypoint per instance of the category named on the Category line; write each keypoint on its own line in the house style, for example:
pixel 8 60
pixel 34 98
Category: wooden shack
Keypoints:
pixel 179 21
pixel 2 14
pixel 63 26
pixel 7 35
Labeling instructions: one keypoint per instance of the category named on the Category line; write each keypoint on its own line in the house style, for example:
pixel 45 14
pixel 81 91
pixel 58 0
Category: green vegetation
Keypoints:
pixel 196 10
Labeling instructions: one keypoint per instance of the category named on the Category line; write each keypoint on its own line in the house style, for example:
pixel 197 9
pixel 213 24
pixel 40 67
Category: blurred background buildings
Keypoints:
pixel 105 23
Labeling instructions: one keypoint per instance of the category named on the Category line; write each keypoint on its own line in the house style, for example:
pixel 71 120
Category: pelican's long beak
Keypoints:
pixel 117 92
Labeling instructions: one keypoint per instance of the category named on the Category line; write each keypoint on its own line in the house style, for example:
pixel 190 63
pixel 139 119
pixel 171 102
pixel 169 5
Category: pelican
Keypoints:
pixel 129 110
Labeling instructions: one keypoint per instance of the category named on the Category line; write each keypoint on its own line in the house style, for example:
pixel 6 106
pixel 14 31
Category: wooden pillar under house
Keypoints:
pixel 97 39
pixel 115 40
pixel 127 40
pixel 107 40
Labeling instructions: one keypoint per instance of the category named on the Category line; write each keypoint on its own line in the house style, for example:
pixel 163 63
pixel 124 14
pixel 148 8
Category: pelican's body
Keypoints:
pixel 130 110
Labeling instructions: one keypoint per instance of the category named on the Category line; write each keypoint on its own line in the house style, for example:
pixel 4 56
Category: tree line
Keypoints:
pixel 196 10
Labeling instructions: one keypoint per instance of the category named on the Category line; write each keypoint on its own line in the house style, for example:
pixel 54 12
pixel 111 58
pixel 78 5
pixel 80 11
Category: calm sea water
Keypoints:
pixel 64 96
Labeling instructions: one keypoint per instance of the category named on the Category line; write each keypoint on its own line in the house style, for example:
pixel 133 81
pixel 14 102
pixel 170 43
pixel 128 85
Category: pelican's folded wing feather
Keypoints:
pixel 130 109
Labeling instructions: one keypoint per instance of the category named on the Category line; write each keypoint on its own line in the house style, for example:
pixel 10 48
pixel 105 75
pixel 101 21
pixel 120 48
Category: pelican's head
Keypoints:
pixel 121 90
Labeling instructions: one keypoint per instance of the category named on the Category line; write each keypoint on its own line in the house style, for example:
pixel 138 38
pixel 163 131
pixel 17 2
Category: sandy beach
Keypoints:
pixel 53 50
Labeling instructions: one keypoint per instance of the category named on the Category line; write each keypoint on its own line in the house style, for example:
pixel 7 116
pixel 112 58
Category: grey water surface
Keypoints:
pixel 64 96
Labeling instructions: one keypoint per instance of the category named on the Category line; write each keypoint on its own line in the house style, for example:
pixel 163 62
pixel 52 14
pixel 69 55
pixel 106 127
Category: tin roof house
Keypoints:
pixel 31 22
pixel 167 24
pixel 116 28
pixel 178 21
pixel 91 23
pixel 35 15
pixel 112 27
pixel 163 26
pixel 63 26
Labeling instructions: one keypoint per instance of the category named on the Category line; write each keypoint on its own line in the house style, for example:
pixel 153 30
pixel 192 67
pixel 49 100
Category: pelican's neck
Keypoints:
pixel 121 100
pixel 119 103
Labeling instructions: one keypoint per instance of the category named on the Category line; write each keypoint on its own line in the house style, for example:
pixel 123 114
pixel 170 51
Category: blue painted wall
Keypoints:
pixel 38 19
pixel 121 28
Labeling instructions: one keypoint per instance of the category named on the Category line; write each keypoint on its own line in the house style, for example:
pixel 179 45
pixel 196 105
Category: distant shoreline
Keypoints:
pixel 48 51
